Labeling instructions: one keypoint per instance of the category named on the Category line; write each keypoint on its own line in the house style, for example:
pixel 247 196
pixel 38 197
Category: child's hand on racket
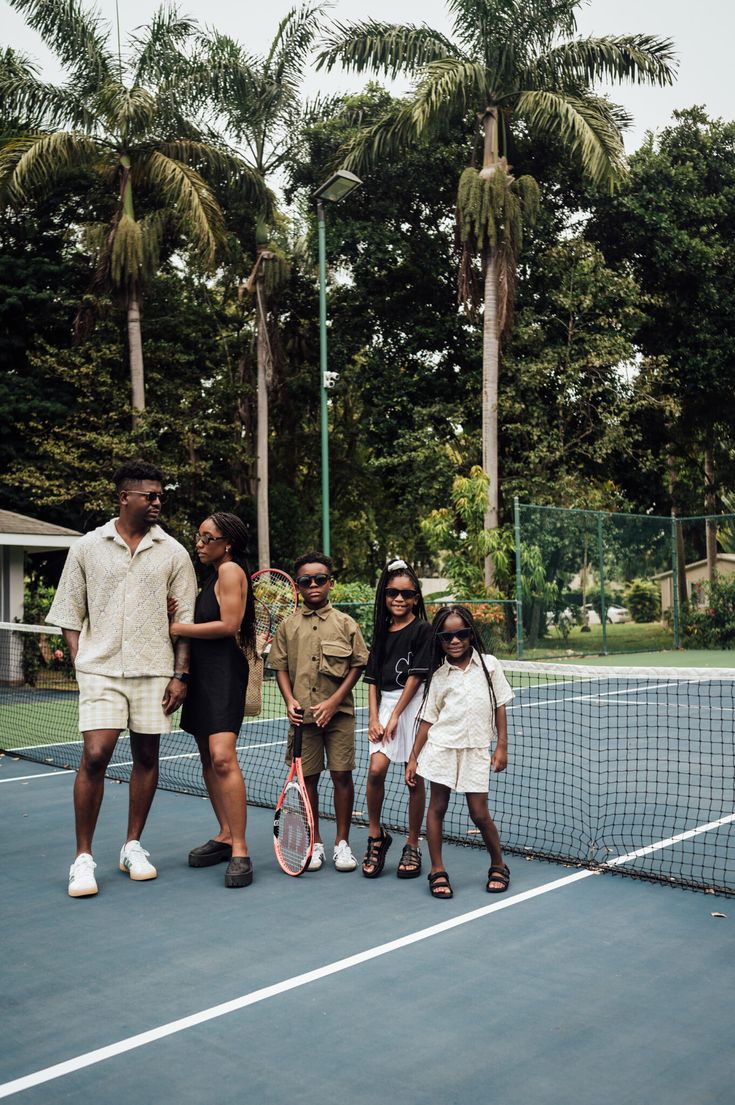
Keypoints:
pixel 411 767
pixel 375 731
pixel 295 712
pixel 499 760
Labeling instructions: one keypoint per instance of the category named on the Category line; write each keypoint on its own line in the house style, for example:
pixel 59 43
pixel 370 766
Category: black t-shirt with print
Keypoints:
pixel 407 652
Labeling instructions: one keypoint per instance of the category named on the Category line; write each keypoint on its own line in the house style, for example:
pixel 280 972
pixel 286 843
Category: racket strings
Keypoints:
pixel 294 829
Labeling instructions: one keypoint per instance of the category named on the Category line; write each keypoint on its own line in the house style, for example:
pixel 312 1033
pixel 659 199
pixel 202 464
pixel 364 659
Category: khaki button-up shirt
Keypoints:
pixel 458 705
pixel 317 648
pixel 117 599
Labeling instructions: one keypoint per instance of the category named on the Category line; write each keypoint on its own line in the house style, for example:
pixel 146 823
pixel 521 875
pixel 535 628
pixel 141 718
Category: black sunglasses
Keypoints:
pixel 151 496
pixel 404 592
pixel 448 635
pixel 206 539
pixel 320 579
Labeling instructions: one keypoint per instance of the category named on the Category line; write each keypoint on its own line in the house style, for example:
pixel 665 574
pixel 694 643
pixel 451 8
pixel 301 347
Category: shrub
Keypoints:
pixel 643 599
pixel 711 625
pixel 357 600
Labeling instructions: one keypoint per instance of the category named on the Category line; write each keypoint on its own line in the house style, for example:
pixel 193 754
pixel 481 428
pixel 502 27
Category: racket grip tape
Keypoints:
pixel 297 733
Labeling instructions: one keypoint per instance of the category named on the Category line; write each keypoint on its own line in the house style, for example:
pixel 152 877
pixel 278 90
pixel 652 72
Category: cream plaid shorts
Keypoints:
pixel 120 702
pixel 466 770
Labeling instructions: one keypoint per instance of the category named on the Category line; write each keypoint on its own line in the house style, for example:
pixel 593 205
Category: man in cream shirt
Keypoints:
pixel 111 606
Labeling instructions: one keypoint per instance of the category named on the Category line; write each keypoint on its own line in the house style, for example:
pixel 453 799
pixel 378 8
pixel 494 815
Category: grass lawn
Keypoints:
pixel 621 637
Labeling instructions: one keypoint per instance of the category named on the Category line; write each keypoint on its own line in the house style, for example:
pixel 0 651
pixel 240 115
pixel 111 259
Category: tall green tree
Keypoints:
pixel 123 121
pixel 673 223
pixel 260 99
pixel 509 64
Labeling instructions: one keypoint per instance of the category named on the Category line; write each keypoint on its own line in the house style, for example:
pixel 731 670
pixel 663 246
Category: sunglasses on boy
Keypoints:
pixel 320 579
pixel 448 635
pixel 404 592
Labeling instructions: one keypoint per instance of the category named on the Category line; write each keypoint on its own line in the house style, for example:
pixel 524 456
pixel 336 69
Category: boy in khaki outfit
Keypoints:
pixel 318 654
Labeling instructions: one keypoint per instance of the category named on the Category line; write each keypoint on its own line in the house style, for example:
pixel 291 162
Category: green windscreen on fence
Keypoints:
pixel 615 582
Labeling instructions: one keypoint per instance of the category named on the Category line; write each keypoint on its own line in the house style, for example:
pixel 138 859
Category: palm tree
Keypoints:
pixel 123 121
pixel 509 62
pixel 259 97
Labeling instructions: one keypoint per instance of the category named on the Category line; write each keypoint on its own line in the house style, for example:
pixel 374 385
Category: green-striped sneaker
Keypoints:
pixel 82 883
pixel 134 860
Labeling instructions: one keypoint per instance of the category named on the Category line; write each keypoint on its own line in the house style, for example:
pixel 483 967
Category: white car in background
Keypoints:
pixel 613 614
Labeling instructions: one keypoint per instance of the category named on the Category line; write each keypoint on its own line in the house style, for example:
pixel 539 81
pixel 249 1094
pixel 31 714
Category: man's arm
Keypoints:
pixel 71 637
pixel 175 692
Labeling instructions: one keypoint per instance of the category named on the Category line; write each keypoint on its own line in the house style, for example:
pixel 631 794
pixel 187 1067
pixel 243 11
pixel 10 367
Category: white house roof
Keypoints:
pixel 32 533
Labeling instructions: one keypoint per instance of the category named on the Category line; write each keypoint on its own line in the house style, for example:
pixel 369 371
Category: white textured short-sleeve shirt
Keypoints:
pixel 117 600
pixel 458 706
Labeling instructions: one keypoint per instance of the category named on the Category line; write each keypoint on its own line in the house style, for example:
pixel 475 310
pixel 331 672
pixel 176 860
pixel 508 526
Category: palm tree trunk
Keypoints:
pixel 709 509
pixel 681 581
pixel 490 350
pixel 135 344
pixel 261 502
pixel 490 374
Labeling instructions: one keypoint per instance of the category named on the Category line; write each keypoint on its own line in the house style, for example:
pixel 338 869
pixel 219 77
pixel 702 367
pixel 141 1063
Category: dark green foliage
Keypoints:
pixel 643 599
pixel 713 624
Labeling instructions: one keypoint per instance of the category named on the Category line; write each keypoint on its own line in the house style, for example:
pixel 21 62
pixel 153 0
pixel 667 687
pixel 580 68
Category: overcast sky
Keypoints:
pixel 703 34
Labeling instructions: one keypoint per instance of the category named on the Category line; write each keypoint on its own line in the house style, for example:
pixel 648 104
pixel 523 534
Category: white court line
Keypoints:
pixel 40 775
pixel 130 1043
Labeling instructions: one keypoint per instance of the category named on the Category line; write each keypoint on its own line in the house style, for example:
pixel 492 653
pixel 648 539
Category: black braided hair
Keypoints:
pixel 438 655
pixel 381 618
pixel 233 528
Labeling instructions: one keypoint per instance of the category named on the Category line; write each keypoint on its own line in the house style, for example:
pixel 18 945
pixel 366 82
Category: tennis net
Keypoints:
pixel 616 769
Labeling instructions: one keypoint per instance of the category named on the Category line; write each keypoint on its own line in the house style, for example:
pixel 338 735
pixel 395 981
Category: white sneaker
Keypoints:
pixel 317 858
pixel 134 860
pixel 82 883
pixel 343 857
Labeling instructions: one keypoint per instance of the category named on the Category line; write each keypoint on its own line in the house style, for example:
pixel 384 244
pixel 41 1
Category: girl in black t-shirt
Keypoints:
pixel 396 669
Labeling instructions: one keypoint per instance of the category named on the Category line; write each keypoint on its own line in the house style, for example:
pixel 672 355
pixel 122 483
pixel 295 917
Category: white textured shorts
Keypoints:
pixel 466 770
pixel 399 749
pixel 120 702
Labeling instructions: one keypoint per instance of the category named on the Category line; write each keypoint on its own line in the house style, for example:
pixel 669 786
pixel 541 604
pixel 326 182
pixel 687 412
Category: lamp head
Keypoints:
pixel 339 185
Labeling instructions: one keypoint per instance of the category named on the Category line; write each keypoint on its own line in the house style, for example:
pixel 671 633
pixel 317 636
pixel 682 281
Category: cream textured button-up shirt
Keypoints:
pixel 458 706
pixel 117 599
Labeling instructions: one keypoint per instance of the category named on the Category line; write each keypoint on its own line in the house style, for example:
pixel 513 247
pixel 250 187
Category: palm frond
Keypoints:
pixel 449 87
pixel 44 105
pixel 387 48
pixel 189 197
pixel 158 54
pixel 586 126
pixel 640 59
pixel 293 42
pixel 218 164
pixel 130 112
pixel 30 163
pixel 76 34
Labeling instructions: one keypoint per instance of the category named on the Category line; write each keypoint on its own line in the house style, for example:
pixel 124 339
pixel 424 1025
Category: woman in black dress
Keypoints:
pixel 224 620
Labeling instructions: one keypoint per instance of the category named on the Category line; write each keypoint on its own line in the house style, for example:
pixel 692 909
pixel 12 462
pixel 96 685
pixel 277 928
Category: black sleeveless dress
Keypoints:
pixel 215 700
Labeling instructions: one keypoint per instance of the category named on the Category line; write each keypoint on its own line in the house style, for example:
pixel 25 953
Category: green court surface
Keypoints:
pixel 573 987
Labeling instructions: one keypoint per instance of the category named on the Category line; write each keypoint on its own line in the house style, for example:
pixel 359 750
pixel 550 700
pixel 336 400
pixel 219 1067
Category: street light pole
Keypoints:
pixel 324 411
pixel 339 185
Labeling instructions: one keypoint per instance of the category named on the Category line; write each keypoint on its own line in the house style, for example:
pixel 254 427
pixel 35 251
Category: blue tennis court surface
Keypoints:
pixel 572 987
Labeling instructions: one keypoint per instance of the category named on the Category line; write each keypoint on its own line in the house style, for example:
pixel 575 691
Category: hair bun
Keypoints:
pixel 396 564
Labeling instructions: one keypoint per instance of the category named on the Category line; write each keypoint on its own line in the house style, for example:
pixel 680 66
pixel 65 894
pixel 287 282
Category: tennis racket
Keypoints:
pixel 263 631
pixel 277 592
pixel 293 824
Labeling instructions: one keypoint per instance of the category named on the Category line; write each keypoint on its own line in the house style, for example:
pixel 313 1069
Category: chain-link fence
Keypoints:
pixel 495 620
pixel 616 582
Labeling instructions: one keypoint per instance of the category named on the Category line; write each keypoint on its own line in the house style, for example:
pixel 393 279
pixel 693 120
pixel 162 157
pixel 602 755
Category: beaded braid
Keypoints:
pixel 381 618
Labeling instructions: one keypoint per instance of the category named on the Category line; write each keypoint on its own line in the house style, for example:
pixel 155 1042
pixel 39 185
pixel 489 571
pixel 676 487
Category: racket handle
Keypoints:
pixel 297 732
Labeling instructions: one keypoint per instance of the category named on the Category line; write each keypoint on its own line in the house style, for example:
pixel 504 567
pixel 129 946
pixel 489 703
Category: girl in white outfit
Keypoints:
pixel 463 709
pixel 395 672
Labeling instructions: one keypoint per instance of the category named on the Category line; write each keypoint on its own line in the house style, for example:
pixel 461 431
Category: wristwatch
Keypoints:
pixel 182 676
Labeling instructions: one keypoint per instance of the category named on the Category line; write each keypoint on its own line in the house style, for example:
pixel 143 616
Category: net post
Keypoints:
pixel 519 578
pixel 675 584
pixel 601 560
